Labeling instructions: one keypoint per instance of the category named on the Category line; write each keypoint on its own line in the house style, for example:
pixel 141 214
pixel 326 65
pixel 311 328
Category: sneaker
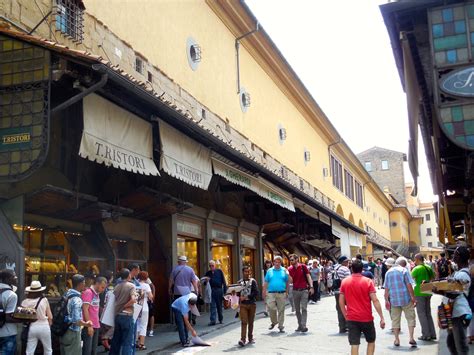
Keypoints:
pixel 211 324
pixel 304 330
pixel 151 333
pixel 187 344
pixel 298 329
pixel 282 329
pixel 271 326
pixel 312 302
pixel 252 341
pixel 222 322
pixel 241 343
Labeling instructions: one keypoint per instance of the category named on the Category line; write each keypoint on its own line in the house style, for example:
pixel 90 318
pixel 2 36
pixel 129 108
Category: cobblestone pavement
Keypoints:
pixel 322 337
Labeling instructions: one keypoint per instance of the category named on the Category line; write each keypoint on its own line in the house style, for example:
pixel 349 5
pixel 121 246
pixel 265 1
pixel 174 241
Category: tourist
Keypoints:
pixel 248 306
pixel 356 296
pixel 341 272
pixel 302 290
pixel 70 342
pixel 9 299
pixel 151 309
pixel 378 273
pixel 315 272
pixel 181 307
pixel 107 331
pixel 40 329
pixel 461 311
pixel 181 278
pixel 399 297
pixel 90 312
pixel 423 273
pixel 328 277
pixel 125 298
pixel 218 287
pixel 147 295
pixel 443 267
pixel 267 265
pixel 275 292
pixel 431 263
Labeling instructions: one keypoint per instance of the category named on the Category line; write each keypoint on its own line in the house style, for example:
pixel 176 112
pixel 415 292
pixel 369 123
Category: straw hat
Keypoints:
pixel 35 287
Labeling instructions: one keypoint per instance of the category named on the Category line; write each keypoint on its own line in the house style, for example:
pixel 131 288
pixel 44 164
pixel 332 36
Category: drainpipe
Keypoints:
pixel 237 46
pixel 80 96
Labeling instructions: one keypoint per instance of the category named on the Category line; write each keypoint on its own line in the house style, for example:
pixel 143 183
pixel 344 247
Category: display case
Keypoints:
pixel 190 248
pixel 222 255
pixel 128 250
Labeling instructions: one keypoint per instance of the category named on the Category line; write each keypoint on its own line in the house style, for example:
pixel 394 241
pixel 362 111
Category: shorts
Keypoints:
pixel 396 315
pixel 357 328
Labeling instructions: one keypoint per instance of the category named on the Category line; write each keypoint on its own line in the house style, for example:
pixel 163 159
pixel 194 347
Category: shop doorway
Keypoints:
pixel 222 255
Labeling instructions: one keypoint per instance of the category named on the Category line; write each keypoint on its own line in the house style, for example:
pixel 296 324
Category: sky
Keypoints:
pixel 342 53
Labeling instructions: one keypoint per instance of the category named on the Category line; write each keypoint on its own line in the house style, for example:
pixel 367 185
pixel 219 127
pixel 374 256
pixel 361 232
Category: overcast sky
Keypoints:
pixel 341 51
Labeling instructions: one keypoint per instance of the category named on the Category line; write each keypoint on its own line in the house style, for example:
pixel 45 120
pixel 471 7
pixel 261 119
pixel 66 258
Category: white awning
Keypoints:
pixel 258 185
pixel 184 158
pixel 115 137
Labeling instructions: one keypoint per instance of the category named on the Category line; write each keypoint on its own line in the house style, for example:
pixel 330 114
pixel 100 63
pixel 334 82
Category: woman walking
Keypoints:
pixel 143 319
pixel 40 329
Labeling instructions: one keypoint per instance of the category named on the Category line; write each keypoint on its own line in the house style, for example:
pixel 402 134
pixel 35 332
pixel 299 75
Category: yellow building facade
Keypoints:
pixel 283 126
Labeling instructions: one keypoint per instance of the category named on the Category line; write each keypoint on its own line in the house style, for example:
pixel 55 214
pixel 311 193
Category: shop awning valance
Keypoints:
pixel 258 185
pixel 115 137
pixel 311 211
pixel 184 158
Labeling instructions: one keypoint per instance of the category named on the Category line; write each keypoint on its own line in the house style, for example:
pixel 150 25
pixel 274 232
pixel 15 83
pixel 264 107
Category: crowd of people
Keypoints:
pixel 118 312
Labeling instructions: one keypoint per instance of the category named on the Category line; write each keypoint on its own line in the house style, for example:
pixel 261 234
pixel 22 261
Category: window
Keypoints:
pixel 69 19
pixel 349 184
pixel 150 77
pixel 359 196
pixel 430 244
pixel 336 171
pixel 427 217
pixel 139 65
pixel 428 231
pixel 384 164
pixel 368 165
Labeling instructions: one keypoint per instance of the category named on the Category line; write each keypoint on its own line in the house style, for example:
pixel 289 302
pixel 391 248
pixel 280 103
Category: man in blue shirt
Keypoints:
pixel 181 308
pixel 275 292
pixel 70 342
pixel 218 288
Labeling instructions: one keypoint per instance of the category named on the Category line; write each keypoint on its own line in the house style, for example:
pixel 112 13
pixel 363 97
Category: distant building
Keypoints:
pixel 386 168
pixel 430 243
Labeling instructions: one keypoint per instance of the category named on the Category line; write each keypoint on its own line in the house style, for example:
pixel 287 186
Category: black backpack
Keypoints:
pixel 336 283
pixel 59 326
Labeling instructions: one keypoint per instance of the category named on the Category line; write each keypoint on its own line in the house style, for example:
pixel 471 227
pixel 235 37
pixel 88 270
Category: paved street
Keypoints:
pixel 322 337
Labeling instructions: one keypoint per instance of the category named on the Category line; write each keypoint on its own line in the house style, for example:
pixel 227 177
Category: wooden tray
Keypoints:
pixel 441 286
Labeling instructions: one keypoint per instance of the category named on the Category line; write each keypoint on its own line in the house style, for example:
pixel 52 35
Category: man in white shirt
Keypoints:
pixel 8 299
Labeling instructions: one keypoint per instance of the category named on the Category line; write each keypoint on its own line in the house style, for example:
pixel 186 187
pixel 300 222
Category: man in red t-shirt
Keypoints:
pixel 356 295
pixel 301 289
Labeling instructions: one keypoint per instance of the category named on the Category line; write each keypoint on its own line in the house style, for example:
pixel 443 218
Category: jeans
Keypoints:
pixel 301 305
pixel 70 343
pixel 340 316
pixel 423 308
pixel 317 292
pixel 216 304
pixel 8 345
pixel 247 317
pixel 457 342
pixel 89 343
pixel 123 335
pixel 182 330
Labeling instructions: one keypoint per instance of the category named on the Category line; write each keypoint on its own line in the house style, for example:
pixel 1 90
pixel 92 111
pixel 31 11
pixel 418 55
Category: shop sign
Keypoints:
pixel 15 139
pixel 459 82
pixel 189 228
pixel 222 235
pixel 247 240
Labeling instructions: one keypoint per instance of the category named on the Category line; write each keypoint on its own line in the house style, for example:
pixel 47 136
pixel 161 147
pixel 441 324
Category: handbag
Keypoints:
pixel 226 303
pixel 26 326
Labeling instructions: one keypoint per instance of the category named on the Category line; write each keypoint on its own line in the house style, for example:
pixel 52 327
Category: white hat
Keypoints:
pixel 35 287
pixel 193 308
pixel 183 258
pixel 390 262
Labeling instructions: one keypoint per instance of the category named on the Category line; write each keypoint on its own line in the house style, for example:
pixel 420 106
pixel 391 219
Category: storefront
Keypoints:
pixel 248 242
pixel 189 239
pixel 221 249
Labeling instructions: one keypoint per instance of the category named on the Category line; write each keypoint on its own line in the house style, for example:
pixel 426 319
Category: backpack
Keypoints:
pixel 443 268
pixel 470 296
pixel 336 283
pixel 3 316
pixel 59 326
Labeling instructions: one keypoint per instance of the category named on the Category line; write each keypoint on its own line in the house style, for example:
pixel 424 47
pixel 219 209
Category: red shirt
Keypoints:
pixel 357 290
pixel 300 280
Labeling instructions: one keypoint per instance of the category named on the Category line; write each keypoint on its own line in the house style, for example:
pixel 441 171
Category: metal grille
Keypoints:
pixel 24 108
pixel 69 19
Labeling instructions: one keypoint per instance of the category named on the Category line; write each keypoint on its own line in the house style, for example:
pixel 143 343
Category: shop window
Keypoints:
pixel 190 248
pixel 222 255
pixel 336 172
pixel 127 250
pixel 69 19
pixel 248 259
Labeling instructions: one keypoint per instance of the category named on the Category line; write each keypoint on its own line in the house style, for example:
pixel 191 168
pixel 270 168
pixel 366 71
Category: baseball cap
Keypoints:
pixel 192 307
pixel 182 258
pixel 342 259
pixel 390 262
